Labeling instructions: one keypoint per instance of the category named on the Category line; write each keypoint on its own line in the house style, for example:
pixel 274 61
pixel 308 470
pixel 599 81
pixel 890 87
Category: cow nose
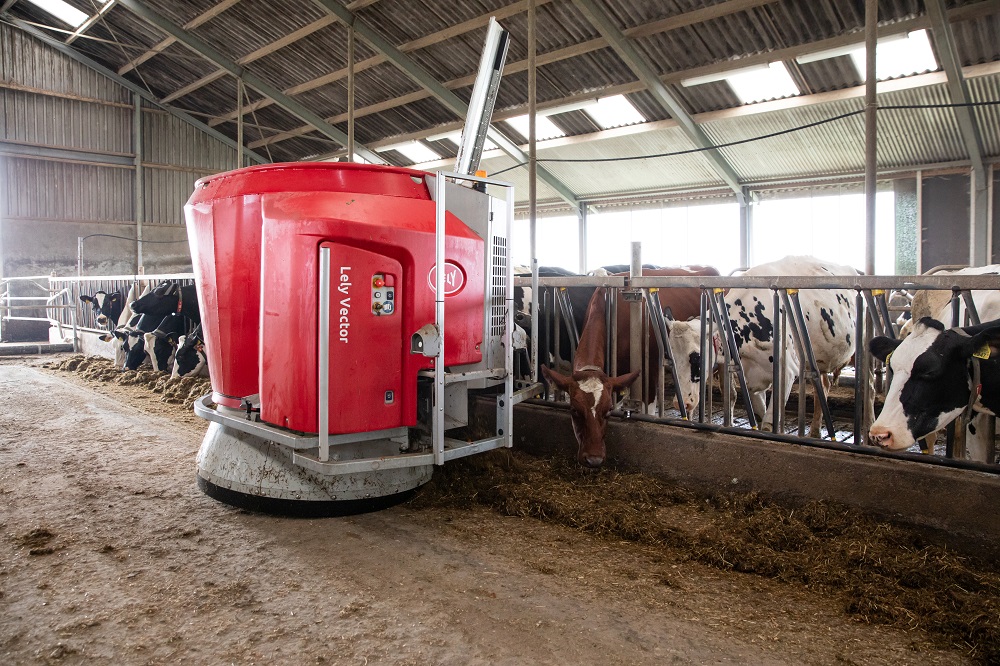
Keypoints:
pixel 880 436
pixel 593 461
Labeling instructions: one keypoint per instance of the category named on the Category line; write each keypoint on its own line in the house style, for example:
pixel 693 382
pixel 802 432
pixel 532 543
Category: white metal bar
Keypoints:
pixel 437 419
pixel 323 369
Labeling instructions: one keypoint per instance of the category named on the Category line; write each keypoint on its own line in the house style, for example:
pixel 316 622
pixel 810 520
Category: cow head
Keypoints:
pixel 161 301
pixel 931 379
pixel 189 359
pixel 107 307
pixel 590 402
pixel 684 338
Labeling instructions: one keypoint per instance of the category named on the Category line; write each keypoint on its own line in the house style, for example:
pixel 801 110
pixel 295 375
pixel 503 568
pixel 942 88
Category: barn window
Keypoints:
pixel 544 128
pixel 615 111
pixel 830 226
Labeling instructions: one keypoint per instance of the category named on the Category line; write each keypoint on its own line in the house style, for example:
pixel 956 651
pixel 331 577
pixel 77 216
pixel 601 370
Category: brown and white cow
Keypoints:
pixel 589 388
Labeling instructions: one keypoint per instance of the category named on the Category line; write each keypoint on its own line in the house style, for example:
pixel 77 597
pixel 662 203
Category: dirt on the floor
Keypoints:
pixel 108 552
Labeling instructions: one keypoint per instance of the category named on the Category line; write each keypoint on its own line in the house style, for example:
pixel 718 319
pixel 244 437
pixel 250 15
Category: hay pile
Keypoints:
pixel 882 573
pixel 180 391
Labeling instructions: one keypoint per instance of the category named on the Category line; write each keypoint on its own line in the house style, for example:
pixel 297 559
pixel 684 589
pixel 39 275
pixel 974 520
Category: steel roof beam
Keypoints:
pixel 206 51
pixel 645 73
pixel 125 83
pixel 968 12
pixel 204 17
pixel 419 43
pixel 443 95
pixel 957 88
pixel 89 23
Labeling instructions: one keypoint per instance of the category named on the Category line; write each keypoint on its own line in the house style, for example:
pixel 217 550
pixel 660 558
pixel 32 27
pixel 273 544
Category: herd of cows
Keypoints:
pixel 153 325
pixel 937 373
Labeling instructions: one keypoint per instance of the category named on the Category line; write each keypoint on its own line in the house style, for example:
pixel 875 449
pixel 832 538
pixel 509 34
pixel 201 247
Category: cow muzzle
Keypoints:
pixel 882 437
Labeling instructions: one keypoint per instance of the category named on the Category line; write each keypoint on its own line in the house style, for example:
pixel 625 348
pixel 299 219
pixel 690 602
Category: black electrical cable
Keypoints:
pixel 790 130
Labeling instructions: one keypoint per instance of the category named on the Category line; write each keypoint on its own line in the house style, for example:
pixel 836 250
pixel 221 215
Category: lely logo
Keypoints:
pixel 454 278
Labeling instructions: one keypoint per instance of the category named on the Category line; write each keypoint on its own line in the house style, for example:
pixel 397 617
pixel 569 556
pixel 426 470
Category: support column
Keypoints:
pixel 532 153
pixel 139 206
pixel 746 229
pixel 350 93
pixel 239 122
pixel 581 216
pixel 871 131
pixel 979 221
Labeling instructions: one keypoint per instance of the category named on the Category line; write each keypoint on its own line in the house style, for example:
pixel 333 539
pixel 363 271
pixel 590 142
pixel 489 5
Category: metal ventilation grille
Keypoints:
pixel 498 288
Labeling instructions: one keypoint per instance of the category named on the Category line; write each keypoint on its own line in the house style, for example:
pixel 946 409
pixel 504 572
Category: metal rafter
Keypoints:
pixel 422 42
pixel 208 52
pixel 957 88
pixel 968 12
pixel 265 50
pixel 204 17
pixel 89 23
pixel 125 83
pixel 7 5
pixel 645 73
pixel 443 95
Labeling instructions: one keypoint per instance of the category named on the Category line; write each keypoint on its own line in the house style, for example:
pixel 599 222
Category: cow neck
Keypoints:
pixel 975 392
pixel 593 337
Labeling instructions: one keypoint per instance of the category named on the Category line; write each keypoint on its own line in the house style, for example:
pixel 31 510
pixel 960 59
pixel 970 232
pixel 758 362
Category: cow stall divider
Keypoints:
pixel 872 317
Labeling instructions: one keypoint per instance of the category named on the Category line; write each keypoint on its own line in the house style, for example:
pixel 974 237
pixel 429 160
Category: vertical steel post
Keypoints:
pixel 140 194
pixel 76 292
pixel 778 365
pixel 350 93
pixel 638 388
pixel 721 313
pixel 240 93
pixel 323 371
pixel 746 228
pixel 706 348
pixel 506 426
pixel 581 215
pixel 439 235
pixel 871 131
pixel 860 381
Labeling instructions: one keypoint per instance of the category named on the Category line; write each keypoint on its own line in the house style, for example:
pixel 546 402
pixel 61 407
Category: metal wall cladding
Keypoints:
pixel 165 192
pixel 26 61
pixel 52 121
pixel 46 190
pixel 169 140
pixel 987 89
pixel 907 137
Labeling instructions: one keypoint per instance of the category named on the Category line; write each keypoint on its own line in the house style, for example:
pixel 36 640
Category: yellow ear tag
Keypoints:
pixel 983 352
pixel 887 357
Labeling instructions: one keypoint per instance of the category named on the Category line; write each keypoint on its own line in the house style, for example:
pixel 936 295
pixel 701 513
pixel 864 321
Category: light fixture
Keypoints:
pixel 761 85
pixel 414 151
pixel 900 57
pixel 62 11
pixel 615 111
pixel 456 136
pixel 544 128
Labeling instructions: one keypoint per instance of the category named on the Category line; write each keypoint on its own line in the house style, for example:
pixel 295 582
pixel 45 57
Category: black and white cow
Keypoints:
pixel 170 298
pixel 829 318
pixel 189 358
pixel 107 307
pixel 161 342
pixel 933 372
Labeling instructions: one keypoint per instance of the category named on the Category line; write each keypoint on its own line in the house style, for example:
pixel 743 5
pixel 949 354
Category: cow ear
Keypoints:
pixel 986 343
pixel 882 346
pixel 86 299
pixel 562 382
pixel 623 381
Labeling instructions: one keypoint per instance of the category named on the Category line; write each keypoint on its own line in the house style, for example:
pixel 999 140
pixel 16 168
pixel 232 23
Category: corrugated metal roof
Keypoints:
pixel 586 67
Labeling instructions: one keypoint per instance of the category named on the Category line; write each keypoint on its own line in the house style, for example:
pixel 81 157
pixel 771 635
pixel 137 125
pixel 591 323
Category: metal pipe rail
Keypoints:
pixel 932 282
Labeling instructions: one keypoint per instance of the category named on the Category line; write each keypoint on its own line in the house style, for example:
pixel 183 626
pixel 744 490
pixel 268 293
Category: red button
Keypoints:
pixel 378 282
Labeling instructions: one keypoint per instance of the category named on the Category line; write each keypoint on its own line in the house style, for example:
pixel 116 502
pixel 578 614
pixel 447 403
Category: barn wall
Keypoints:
pixel 49 197
pixel 945 221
